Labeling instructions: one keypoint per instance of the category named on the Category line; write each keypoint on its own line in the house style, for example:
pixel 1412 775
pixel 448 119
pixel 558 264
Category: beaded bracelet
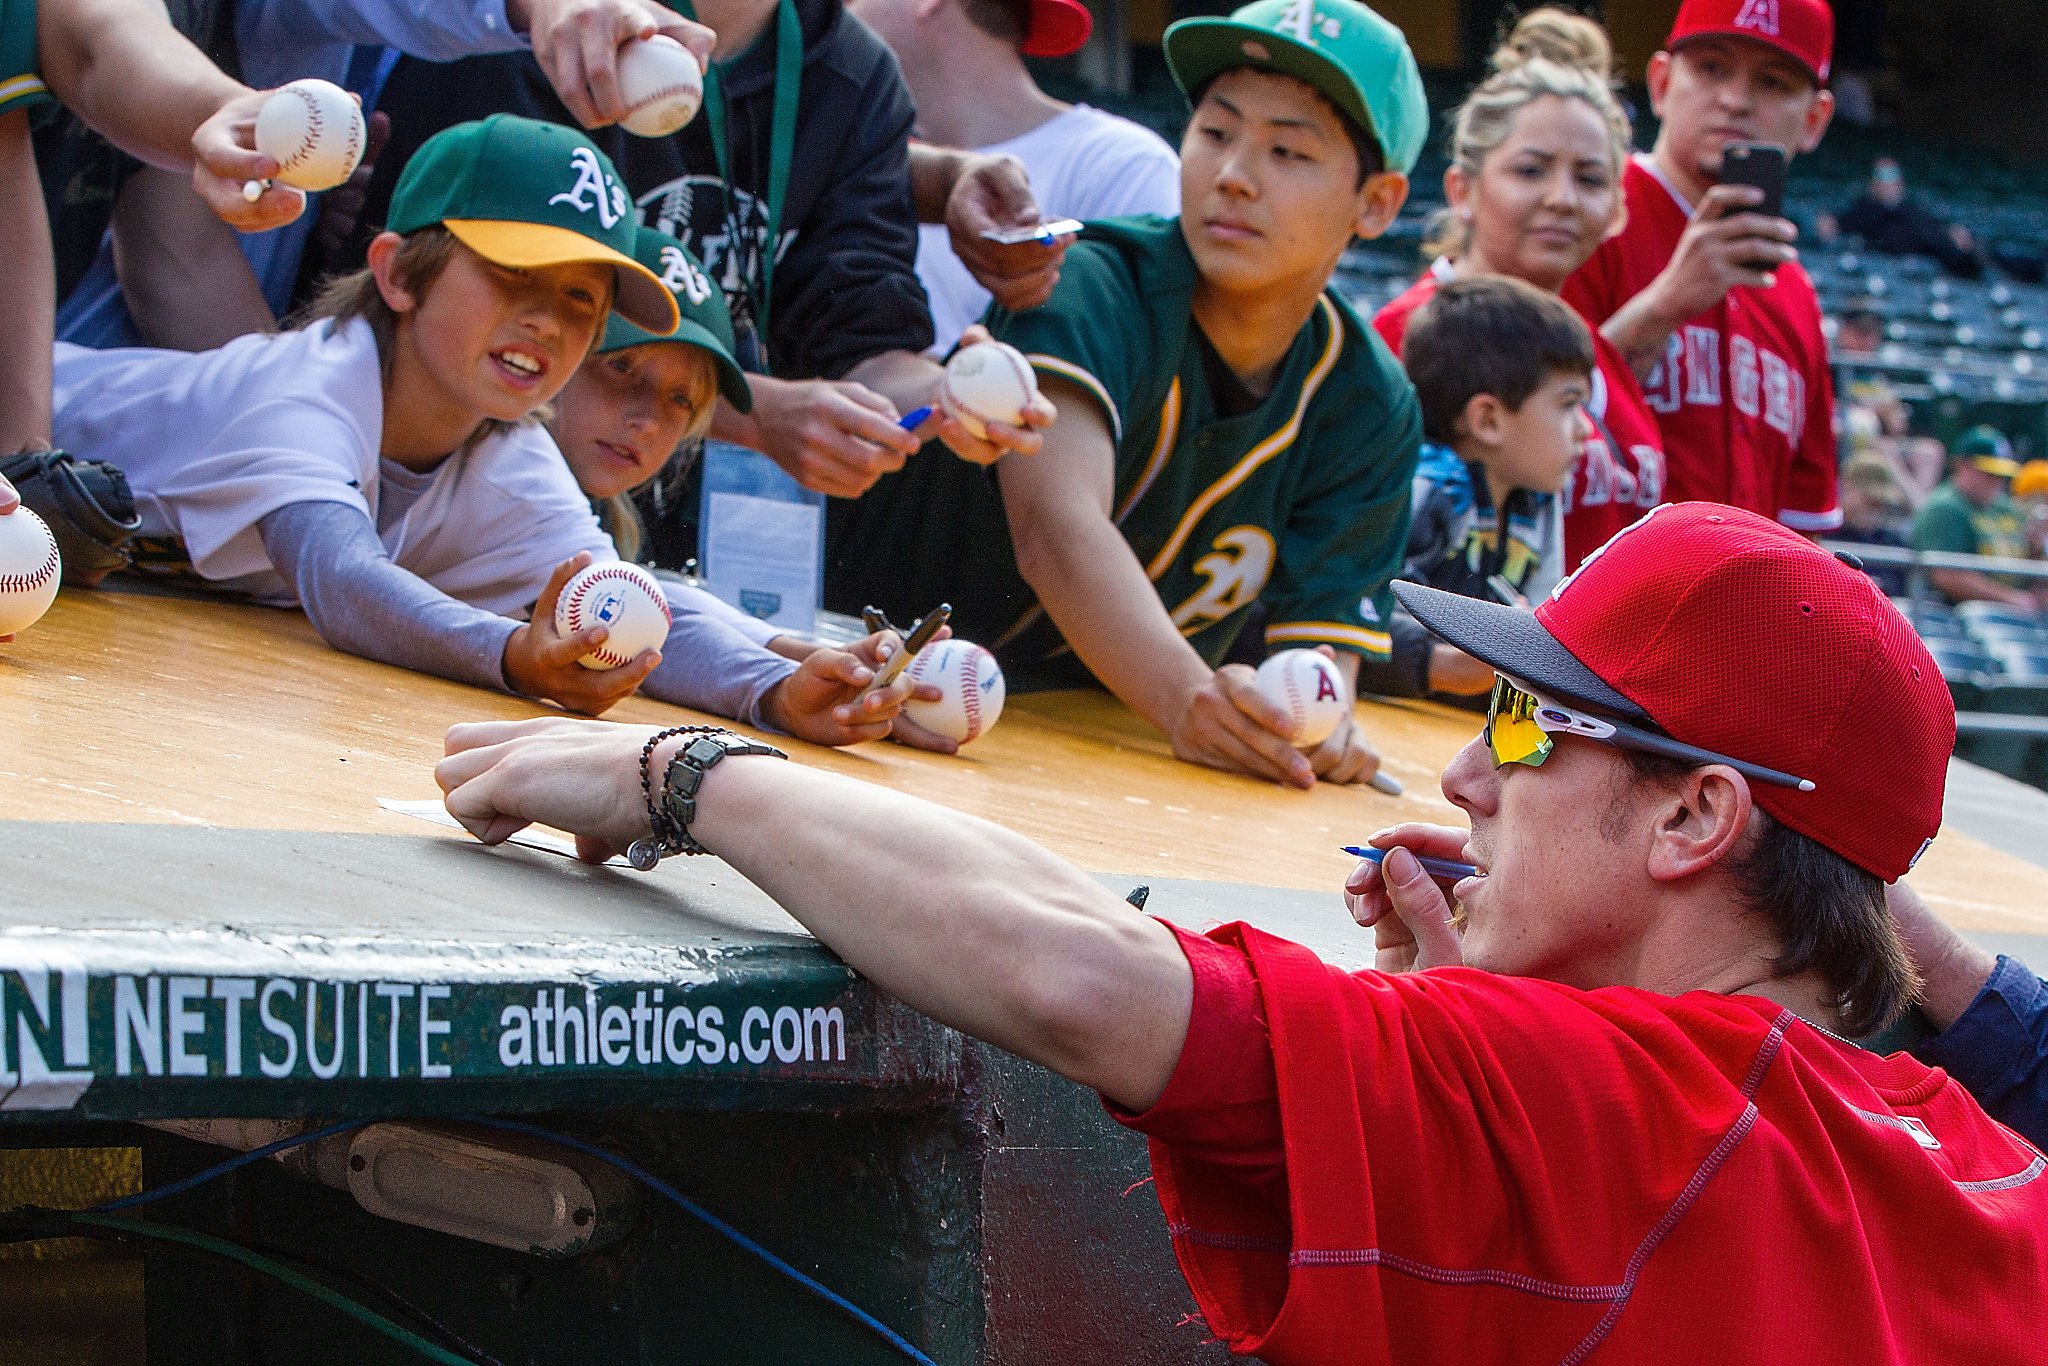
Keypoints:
pixel 667 838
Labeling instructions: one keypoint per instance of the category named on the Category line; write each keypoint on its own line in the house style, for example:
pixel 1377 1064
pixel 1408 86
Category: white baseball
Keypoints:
pixel 624 599
pixel 314 131
pixel 29 570
pixel 660 84
pixel 972 682
pixel 1306 686
pixel 987 382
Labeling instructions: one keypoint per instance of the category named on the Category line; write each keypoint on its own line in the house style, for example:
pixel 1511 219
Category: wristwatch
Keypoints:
pixel 671 814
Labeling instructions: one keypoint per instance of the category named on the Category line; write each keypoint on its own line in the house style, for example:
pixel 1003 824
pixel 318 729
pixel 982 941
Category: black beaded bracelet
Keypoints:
pixel 667 838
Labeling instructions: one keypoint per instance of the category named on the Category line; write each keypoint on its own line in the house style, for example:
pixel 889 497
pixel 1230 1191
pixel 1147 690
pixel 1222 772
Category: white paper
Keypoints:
pixel 762 556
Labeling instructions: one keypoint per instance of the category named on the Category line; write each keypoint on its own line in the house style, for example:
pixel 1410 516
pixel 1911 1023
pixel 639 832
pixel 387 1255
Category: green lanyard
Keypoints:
pixel 789 65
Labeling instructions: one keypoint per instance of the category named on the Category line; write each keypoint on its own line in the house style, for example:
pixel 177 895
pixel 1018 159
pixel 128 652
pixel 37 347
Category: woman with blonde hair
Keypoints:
pixel 1533 188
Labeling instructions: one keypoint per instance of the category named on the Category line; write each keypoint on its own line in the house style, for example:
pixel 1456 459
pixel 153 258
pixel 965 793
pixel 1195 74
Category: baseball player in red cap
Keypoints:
pixel 1702 292
pixel 1619 1116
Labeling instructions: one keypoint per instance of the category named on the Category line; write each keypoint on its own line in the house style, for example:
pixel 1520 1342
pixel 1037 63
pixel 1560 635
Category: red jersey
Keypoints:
pixel 1453 1166
pixel 1621 474
pixel 1743 394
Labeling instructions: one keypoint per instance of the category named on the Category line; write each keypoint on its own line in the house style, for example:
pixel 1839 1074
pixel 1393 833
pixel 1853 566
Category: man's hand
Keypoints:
pixel 1724 247
pixel 541 662
pixel 224 159
pixel 826 700
pixel 995 192
pixel 580 776
pixel 1345 756
pixel 577 44
pixel 834 437
pixel 1411 921
pixel 9 499
pixel 1229 724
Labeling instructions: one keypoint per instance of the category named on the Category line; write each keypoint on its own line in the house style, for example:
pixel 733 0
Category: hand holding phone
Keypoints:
pixel 1761 165
pixel 1037 232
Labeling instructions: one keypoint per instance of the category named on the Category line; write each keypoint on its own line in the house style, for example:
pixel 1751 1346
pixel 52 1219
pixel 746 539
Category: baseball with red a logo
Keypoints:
pixel 1306 685
pixel 624 599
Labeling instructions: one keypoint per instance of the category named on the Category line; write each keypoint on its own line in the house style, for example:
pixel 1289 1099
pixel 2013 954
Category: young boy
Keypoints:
pixel 1228 431
pixel 1502 370
pixel 381 466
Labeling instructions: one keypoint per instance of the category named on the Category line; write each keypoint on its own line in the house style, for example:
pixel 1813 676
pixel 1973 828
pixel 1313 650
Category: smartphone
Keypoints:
pixel 920 637
pixel 1761 164
pixel 1039 232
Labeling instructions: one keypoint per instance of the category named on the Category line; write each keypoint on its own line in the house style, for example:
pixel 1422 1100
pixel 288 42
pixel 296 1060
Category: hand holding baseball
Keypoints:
pixel 826 700
pixel 540 661
pixel 1229 724
pixel 578 44
pixel 989 439
pixel 225 160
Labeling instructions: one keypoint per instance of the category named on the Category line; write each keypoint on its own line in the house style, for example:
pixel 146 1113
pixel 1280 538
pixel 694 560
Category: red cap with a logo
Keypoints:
pixel 1729 632
pixel 1801 29
pixel 1057 28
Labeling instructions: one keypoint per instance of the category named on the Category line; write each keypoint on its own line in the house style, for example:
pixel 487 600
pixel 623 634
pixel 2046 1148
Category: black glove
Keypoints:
pixel 87 505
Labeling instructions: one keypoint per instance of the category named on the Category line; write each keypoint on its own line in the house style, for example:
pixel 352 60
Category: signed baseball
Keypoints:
pixel 987 382
pixel 29 570
pixel 314 131
pixel 624 599
pixel 972 682
pixel 660 84
pixel 1307 686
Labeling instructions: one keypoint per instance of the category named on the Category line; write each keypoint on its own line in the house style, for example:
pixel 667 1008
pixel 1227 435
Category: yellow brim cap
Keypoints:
pixel 642 298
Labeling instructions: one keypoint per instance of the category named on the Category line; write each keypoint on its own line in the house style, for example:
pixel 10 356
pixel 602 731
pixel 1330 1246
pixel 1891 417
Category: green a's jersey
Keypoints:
pixel 1301 502
pixel 20 85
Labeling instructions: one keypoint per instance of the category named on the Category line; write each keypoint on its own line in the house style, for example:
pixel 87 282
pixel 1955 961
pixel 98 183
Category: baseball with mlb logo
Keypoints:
pixel 314 131
pixel 1306 685
pixel 660 85
pixel 972 684
pixel 624 599
pixel 987 382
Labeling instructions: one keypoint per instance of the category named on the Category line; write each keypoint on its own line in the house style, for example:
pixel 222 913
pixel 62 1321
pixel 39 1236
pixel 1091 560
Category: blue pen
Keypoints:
pixel 1442 868
pixel 914 419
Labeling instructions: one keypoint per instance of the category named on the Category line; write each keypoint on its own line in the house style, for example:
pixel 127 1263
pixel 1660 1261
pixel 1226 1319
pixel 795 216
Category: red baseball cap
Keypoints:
pixel 1057 27
pixel 1729 632
pixel 1803 30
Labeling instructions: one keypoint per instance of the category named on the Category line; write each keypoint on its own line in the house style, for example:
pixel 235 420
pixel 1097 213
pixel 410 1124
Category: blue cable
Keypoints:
pixel 626 1165
pixel 697 1211
pixel 214 1173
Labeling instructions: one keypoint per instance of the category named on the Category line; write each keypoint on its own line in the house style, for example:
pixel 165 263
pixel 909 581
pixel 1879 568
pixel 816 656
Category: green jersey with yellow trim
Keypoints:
pixel 20 85
pixel 1301 502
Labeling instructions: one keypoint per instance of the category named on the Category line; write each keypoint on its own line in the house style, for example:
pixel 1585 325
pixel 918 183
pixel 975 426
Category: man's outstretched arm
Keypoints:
pixel 974 926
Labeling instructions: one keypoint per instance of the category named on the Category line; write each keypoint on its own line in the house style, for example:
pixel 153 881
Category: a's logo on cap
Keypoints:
pixel 1761 15
pixel 682 276
pixel 593 190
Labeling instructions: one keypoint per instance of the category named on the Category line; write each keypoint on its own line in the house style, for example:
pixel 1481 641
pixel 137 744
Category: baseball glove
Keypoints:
pixel 87 505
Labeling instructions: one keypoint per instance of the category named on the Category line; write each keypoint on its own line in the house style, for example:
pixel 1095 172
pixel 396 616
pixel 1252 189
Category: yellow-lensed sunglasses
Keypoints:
pixel 1520 726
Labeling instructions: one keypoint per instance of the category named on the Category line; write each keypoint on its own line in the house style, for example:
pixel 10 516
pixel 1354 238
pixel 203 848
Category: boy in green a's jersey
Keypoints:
pixel 1229 431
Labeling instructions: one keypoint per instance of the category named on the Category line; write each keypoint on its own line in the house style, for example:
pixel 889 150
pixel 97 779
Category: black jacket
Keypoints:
pixel 846 283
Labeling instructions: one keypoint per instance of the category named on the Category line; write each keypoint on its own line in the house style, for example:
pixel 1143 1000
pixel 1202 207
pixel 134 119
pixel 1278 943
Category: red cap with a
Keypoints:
pixel 1736 635
pixel 1802 29
pixel 1058 27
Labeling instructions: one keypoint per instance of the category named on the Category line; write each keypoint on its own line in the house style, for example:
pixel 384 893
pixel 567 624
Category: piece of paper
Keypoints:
pixel 762 556
pixel 541 837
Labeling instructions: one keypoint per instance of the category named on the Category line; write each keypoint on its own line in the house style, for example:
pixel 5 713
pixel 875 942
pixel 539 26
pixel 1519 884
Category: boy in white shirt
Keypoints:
pixel 381 466
pixel 963 63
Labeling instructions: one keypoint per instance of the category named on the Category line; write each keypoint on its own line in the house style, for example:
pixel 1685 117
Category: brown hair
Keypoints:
pixel 1549 52
pixel 1828 915
pixel 1489 335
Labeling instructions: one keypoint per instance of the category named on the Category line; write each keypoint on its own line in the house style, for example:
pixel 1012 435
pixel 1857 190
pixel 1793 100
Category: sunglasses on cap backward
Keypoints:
pixel 1520 724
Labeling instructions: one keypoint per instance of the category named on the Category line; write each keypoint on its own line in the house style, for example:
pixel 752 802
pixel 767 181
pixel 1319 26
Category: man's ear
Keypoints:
pixel 1818 115
pixel 1483 419
pixel 383 257
pixel 1703 821
pixel 1379 203
pixel 1658 78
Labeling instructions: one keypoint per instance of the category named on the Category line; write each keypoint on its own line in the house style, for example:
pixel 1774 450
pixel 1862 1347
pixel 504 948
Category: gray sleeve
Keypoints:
pixel 361 602
pixel 708 664
pixel 683 598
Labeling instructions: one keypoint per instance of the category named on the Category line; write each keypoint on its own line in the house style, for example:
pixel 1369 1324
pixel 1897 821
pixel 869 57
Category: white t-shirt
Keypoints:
pixel 212 441
pixel 1084 164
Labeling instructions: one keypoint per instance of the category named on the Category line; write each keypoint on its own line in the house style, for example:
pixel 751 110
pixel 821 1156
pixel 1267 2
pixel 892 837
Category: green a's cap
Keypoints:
pixel 1358 60
pixel 705 323
pixel 525 193
pixel 1988 449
